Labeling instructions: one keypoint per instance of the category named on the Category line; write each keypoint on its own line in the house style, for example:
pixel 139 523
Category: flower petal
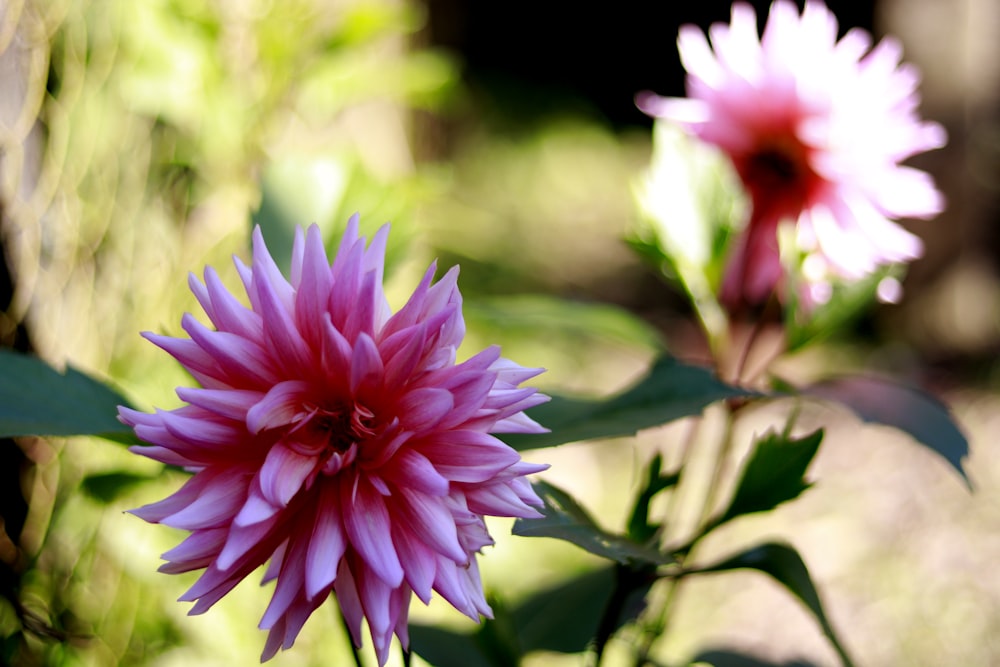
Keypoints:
pixel 368 525
pixel 283 473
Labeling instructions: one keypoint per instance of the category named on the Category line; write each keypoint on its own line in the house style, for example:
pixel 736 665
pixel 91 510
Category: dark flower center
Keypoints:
pixel 778 177
pixel 333 435
pixel 344 427
pixel 774 168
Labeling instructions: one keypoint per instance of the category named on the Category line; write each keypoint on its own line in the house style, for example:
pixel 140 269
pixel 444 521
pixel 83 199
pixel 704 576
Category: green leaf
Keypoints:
pixel 669 391
pixel 35 399
pixel 446 648
pixel 850 299
pixel 721 657
pixel 639 528
pixel 566 617
pixel 572 321
pixel 566 520
pixel 773 474
pixel 912 411
pixel 783 563
pixel 106 487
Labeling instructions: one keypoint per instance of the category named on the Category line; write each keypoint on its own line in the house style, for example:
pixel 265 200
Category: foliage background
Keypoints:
pixel 140 141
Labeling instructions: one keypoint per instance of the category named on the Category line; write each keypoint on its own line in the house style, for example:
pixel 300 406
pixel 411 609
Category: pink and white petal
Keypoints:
pixel 410 314
pixel 423 408
pixel 518 423
pixel 374 593
pixel 280 330
pixel 419 561
pixel 283 473
pixel 366 365
pixel 369 528
pixel 313 288
pixel 346 589
pixel 499 500
pixel 411 468
pixel 274 564
pixel 266 272
pixel 697 57
pixel 361 317
pixel 907 192
pixel 282 404
pixel 190 355
pixel 200 430
pixel 256 509
pixel 240 359
pixel 327 545
pixel 448 582
pixel 427 518
pixel 215 505
pixel 196 552
pixel 248 545
pixel 291 581
pixel 467 456
pixel 228 403
pixel 513 374
pixel 228 314
pixel 401 353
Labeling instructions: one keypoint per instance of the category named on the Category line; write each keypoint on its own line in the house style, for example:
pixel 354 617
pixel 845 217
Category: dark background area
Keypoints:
pixel 534 57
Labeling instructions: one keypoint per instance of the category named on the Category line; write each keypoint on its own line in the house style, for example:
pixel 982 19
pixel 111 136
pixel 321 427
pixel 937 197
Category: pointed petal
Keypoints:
pixel 283 473
pixel 279 407
pixel 427 517
pixel 467 456
pixel 328 542
pixel 421 409
pixel 368 525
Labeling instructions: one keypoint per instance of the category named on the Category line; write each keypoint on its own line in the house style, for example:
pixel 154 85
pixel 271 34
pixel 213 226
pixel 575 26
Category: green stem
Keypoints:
pixel 627 581
pixel 711 315
pixel 654 630
pixel 673 502
pixel 660 625
pixel 718 470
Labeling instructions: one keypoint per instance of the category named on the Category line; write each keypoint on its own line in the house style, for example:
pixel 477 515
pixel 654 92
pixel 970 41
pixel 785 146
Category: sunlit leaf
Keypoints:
pixel 566 520
pixel 639 528
pixel 671 390
pixel 35 399
pixel 774 473
pixel 910 410
pixel 783 563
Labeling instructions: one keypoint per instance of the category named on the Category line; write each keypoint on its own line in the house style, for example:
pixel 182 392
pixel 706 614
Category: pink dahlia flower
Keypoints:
pixel 338 441
pixel 816 128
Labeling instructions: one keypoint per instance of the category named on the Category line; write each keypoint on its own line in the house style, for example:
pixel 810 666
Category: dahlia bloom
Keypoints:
pixel 338 441
pixel 816 129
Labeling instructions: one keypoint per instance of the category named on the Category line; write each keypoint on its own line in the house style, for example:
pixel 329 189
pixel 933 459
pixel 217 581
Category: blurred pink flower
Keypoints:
pixel 339 441
pixel 816 128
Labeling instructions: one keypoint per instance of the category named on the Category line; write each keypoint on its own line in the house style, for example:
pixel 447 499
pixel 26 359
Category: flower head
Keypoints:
pixel 816 129
pixel 338 441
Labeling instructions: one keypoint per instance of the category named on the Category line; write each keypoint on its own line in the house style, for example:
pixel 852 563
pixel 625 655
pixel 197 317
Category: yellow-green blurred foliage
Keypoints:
pixel 136 140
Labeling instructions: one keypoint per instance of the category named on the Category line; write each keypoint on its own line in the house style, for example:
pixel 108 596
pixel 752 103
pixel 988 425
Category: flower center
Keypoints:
pixel 334 435
pixel 773 168
pixel 779 178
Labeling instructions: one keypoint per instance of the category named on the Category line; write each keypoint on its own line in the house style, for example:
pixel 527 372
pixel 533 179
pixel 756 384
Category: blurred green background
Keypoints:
pixel 140 140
